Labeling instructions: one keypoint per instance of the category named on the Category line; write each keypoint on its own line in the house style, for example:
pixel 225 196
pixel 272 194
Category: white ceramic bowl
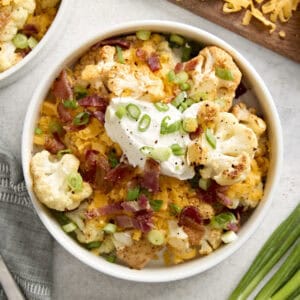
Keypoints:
pixel 189 268
pixel 23 66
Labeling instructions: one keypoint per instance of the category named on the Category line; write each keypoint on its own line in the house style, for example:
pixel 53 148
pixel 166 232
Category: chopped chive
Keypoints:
pixel 184 86
pixel 156 204
pixel 81 118
pixel 38 131
pixel 211 139
pixel 133 111
pixel 177 39
pixel 110 228
pixel 179 99
pixel 75 182
pixel 70 227
pixel 177 150
pixel 72 104
pixel 171 76
pixel 111 258
pixel 186 53
pixel 166 128
pixel 121 111
pixel 181 77
pixel 120 55
pixel 80 91
pixel 160 106
pixel 60 153
pixel 174 209
pixel 112 159
pixel 143 35
pixel 93 245
pixel 32 42
pixel 224 74
pixel 20 41
pixel 144 123
pixel 132 194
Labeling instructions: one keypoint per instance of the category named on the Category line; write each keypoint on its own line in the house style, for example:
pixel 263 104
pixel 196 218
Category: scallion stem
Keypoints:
pixel 133 111
pixel 144 123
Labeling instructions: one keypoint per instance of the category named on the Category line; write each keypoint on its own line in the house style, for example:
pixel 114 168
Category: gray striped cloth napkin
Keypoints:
pixel 25 245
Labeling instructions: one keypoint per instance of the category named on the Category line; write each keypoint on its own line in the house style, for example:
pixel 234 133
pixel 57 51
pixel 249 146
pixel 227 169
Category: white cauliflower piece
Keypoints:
pixel 50 181
pixel 230 161
pixel 211 240
pixel 8 57
pixel 177 237
pixel 205 82
pixel 248 118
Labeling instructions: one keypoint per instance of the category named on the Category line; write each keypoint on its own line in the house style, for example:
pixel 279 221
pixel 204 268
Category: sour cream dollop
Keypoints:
pixel 125 132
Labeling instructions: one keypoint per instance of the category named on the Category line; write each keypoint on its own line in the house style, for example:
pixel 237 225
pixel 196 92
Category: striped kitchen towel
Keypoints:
pixel 25 245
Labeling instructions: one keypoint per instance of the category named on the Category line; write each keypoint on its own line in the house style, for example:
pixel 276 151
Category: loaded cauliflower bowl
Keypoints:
pixel 23 25
pixel 151 152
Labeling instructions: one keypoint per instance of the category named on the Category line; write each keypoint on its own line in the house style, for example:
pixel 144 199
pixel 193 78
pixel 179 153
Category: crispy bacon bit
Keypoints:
pixel 54 144
pixel 125 44
pixel 154 62
pixel 143 202
pixel 124 221
pixel 241 90
pixel 194 135
pixel 61 88
pixel 210 196
pixel 30 29
pixel 130 206
pixel 141 54
pixel 191 65
pixel 94 101
pixel 223 199
pixel 120 172
pixel 195 235
pixel 94 159
pixel 179 67
pixel 233 226
pixel 72 127
pixel 190 217
pixel 110 209
pixel 99 115
pixel 63 113
pixel 150 178
pixel 143 220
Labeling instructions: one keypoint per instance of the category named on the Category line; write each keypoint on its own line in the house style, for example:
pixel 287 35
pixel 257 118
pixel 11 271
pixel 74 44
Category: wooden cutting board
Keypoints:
pixel 256 32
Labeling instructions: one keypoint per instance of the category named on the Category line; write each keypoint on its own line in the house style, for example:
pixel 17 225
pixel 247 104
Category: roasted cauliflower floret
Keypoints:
pixel 50 181
pixel 248 118
pixel 8 56
pixel 228 160
pixel 211 240
pixel 206 82
pixel 177 238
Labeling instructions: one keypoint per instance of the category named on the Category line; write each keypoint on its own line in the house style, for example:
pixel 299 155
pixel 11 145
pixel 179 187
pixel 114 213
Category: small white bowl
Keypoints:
pixel 158 273
pixel 15 72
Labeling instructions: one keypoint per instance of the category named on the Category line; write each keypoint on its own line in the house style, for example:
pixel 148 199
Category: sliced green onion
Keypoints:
pixel 204 184
pixel 121 111
pixel 166 128
pixel 81 118
pixel 143 35
pixel 32 42
pixel 177 150
pixel 70 227
pixel 156 204
pixel 161 154
pixel 120 55
pixel 110 228
pixel 211 139
pixel 111 258
pixel 132 194
pixel 184 86
pixel 171 76
pixel 144 123
pixel 223 220
pixel 112 159
pixel 80 91
pixel 55 127
pixel 72 104
pixel 174 209
pixel 60 153
pixel 20 41
pixel 75 182
pixel 177 39
pixel 160 106
pixel 224 74
pixel 190 124
pixel 133 111
pixel 156 237
pixel 182 107
pixel 179 99
pixel 181 77
pixel 189 102
pixel 38 131
pixel 93 245
pixel 186 53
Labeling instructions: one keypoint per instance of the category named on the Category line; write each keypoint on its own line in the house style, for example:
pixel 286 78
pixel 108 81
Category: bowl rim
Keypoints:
pixel 188 268
pixel 60 15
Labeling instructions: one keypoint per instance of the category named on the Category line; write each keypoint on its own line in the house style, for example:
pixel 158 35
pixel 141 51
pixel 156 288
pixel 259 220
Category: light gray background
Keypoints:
pixel 72 279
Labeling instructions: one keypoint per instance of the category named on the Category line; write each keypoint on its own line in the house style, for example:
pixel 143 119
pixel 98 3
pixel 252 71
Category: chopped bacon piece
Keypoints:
pixel 72 127
pixel 210 196
pixel 99 115
pixel 143 220
pixel 130 206
pixel 109 209
pixel 120 172
pixel 63 113
pixel 194 135
pixel 125 44
pixel 191 65
pixel 124 221
pixel 95 159
pixel 154 62
pixel 190 217
pixel 30 29
pixel 54 144
pixel 223 199
pixel 179 67
pixel 141 54
pixel 143 202
pixel 61 88
pixel 94 101
pixel 150 178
